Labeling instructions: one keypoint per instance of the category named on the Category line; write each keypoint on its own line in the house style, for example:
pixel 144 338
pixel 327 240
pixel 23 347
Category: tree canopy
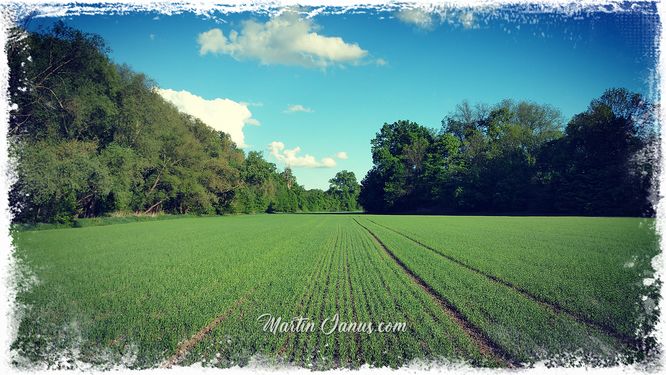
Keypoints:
pixel 91 137
pixel 518 157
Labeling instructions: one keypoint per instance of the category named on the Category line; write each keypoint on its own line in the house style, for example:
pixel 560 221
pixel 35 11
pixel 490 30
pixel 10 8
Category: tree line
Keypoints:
pixel 519 158
pixel 90 137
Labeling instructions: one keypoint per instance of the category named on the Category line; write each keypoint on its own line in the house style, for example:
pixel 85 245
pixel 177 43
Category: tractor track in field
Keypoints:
pixel 485 344
pixel 553 306
pixel 187 345
pixel 424 346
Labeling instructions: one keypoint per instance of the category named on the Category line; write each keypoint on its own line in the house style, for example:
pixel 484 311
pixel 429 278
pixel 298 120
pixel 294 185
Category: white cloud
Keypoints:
pixel 328 162
pixel 290 158
pixel 417 17
pixel 151 36
pixel 285 39
pixel 221 114
pixel 252 104
pixel 429 19
pixel 467 20
pixel 297 108
pixel 252 121
pixel 342 155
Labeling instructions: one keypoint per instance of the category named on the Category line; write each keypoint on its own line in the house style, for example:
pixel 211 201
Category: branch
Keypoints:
pixel 156 181
pixel 153 206
pixel 52 71
pixel 54 94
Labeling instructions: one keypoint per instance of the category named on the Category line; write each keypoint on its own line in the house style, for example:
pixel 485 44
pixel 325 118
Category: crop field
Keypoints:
pixel 488 291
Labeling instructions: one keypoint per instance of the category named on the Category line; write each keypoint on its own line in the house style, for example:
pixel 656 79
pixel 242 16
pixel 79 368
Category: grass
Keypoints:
pixel 352 278
pixel 526 330
pixel 116 218
pixel 593 266
pixel 137 293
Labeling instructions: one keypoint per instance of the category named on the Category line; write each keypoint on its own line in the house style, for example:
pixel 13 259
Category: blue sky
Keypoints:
pixel 345 75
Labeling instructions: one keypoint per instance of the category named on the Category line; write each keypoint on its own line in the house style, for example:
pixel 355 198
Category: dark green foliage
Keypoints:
pixel 91 137
pixel 345 189
pixel 605 163
pixel 517 158
pixel 400 152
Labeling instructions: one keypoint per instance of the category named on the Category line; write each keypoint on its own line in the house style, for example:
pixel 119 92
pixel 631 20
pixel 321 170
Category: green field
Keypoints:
pixel 490 291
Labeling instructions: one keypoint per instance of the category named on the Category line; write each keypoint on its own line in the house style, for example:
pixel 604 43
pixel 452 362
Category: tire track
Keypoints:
pixel 551 305
pixel 394 300
pixel 486 346
pixel 425 347
pixel 377 306
pixel 187 345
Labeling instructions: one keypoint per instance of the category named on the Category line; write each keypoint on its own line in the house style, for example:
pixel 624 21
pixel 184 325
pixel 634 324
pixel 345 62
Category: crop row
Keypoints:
pixel 193 290
pixel 349 277
pixel 593 267
pixel 139 290
pixel 527 331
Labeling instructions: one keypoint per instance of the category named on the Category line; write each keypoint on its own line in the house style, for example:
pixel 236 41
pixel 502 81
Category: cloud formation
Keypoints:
pixel 467 20
pixel 417 17
pixel 286 39
pixel 297 108
pixel 342 155
pixel 290 158
pixel 429 19
pixel 220 114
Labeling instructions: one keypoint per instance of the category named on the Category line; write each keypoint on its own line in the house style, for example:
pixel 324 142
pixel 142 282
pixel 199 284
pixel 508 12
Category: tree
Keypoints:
pixel 91 137
pixel 514 157
pixel 371 196
pixel 59 181
pixel 603 165
pixel 398 152
pixel 288 177
pixel 345 188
